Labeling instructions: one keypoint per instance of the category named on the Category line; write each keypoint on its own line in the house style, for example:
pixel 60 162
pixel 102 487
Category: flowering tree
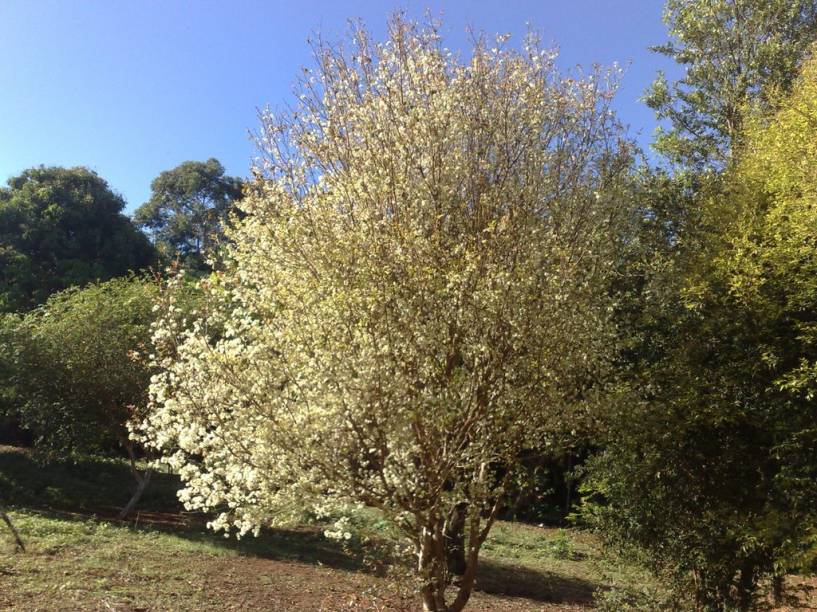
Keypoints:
pixel 416 292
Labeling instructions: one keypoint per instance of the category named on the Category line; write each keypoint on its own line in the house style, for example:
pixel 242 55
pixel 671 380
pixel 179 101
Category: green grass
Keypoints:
pixel 82 484
pixel 571 566
pixel 166 560
pixel 96 564
pixel 87 561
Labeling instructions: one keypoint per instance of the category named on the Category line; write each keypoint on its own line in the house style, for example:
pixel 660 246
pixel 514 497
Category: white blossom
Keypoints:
pixel 416 287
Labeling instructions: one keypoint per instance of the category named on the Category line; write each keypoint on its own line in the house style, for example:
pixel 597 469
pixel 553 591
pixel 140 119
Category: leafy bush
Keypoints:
pixel 710 466
pixel 80 368
pixel 82 364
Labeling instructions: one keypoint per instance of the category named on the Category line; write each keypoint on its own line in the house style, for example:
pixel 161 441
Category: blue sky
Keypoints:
pixel 131 88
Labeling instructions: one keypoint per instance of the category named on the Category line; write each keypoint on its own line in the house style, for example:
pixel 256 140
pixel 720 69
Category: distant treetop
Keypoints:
pixel 736 54
pixel 188 209
pixel 61 227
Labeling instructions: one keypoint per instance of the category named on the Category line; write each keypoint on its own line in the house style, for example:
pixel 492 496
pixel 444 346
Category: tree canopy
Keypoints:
pixel 735 53
pixel 769 265
pixel 61 227
pixel 710 468
pixel 188 210
pixel 415 294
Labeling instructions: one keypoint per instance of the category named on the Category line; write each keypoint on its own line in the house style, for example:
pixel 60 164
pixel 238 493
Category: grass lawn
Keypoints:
pixel 80 558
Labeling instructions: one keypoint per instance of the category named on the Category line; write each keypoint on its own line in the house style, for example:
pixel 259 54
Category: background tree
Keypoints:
pixel 734 53
pixel 770 265
pixel 417 291
pixel 61 227
pixel 711 471
pixel 189 209
pixel 691 468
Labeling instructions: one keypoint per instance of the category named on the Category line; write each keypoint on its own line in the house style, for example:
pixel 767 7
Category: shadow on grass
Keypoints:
pixel 517 581
pixel 96 489
pixel 302 545
pixel 85 484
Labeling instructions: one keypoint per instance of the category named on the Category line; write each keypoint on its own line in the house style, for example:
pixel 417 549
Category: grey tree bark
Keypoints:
pixel 142 481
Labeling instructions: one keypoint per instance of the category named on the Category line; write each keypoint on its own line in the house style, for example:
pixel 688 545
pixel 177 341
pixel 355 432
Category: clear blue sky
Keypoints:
pixel 131 88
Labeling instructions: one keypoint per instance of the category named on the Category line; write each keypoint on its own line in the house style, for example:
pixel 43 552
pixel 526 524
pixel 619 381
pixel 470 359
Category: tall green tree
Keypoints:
pixel 710 467
pixel 61 227
pixel 770 266
pixel 189 209
pixel 694 468
pixel 734 53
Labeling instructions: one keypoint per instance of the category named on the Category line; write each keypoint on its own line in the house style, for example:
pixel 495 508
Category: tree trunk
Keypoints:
pixel 568 482
pixel 455 540
pixel 468 581
pixel 746 584
pixel 777 589
pixel 142 481
pixel 17 539
pixel 433 553
pixel 433 568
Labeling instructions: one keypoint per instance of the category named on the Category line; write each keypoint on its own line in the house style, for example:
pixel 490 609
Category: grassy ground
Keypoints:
pixel 80 558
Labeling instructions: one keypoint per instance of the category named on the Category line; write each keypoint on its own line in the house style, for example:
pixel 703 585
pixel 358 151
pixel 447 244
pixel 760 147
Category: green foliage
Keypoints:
pixel 734 53
pixel 690 485
pixel 188 210
pixel 692 462
pixel 706 472
pixel 61 227
pixel 709 465
pixel 769 264
pixel 8 324
pixel 636 597
pixel 79 363
pixel 80 369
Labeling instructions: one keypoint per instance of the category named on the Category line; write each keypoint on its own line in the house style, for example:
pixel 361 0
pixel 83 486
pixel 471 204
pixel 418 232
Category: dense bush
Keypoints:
pixel 79 368
pixel 710 469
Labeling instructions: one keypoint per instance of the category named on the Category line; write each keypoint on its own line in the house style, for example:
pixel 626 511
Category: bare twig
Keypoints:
pixel 17 539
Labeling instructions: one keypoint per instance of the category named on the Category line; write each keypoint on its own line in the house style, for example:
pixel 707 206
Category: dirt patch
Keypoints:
pixel 272 585
pixel 232 584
